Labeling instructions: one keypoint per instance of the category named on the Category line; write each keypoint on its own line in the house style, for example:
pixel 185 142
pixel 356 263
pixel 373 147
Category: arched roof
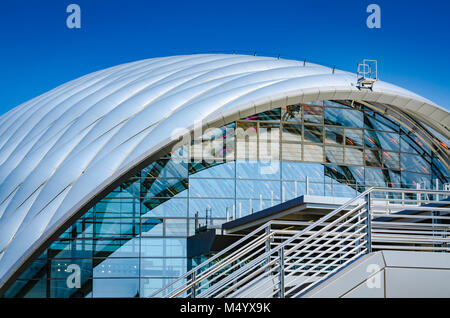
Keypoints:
pixel 59 150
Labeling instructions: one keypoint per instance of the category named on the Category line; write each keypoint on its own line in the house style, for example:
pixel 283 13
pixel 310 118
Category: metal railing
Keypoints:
pixel 275 261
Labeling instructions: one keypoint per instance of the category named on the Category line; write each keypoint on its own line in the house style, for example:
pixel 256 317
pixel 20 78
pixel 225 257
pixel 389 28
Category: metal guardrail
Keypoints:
pixel 285 262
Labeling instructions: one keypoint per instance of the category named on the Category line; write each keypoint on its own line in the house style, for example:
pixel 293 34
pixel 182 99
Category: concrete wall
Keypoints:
pixel 390 274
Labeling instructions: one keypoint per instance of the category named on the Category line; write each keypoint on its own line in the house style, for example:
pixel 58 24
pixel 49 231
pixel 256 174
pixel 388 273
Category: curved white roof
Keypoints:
pixel 58 150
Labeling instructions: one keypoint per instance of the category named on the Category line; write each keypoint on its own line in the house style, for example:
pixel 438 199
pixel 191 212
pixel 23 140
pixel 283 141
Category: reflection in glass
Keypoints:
pixel 313 114
pixel 354 137
pixel 343 117
pixel 134 241
pixel 334 135
pixel 313 153
pixel 334 154
pixel 313 133
pixel 292 113
pixel 372 158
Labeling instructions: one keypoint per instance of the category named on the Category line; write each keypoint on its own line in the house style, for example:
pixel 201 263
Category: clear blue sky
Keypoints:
pixel 38 52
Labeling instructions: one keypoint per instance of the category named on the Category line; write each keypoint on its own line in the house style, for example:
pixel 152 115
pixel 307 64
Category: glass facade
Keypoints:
pixel 133 241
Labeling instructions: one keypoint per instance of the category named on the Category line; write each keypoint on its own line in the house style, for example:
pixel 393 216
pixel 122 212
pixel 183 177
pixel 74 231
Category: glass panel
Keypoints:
pixel 313 114
pixel 344 117
pixel 244 205
pixel 165 168
pixel 163 247
pixel 121 287
pixel 354 137
pixel 313 153
pixel 300 170
pixel 59 289
pixel 152 227
pixel 313 133
pixel 291 152
pixel 440 167
pixel 112 227
pixel 334 154
pixel 383 140
pixel 28 289
pixel 293 189
pixel 353 156
pixel 151 285
pixel 373 120
pixel 415 163
pixel 292 113
pixel 212 170
pixel 163 267
pixel 216 208
pixel 247 141
pixel 62 268
pixel 340 190
pixel 257 170
pixel 164 187
pixel 391 160
pixel 116 247
pixel 164 207
pixel 124 207
pixel 372 158
pixel 334 135
pixel 411 180
pixel 344 174
pixel 116 267
pixel 269 142
pixel 292 133
pixel 256 188
pixel 176 227
pixel 69 248
pixel 382 177
pixel 211 188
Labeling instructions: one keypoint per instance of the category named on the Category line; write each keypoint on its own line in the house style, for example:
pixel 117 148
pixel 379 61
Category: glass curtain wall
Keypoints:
pixel 133 241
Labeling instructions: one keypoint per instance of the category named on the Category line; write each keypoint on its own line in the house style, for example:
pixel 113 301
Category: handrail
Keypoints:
pixel 291 239
pixel 216 256
pixel 288 247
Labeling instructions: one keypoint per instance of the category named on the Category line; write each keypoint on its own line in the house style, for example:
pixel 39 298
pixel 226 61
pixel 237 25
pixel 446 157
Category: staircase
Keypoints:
pixel 279 260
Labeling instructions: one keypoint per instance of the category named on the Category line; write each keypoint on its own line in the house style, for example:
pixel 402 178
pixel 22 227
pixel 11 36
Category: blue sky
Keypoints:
pixel 38 52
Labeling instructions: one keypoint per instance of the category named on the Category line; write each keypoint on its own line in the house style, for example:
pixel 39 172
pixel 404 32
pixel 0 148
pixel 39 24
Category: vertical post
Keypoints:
pixel 267 249
pixel 281 272
pixel 209 220
pixel 228 214
pixel 437 189
pixel 295 189
pixel 282 193
pixel 260 202
pixel 240 209
pixel 271 197
pixel 419 195
pixel 368 223
pixel 193 289
pixel 307 185
pixel 435 227
pixel 196 221
pixel 234 212
pixel 250 209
